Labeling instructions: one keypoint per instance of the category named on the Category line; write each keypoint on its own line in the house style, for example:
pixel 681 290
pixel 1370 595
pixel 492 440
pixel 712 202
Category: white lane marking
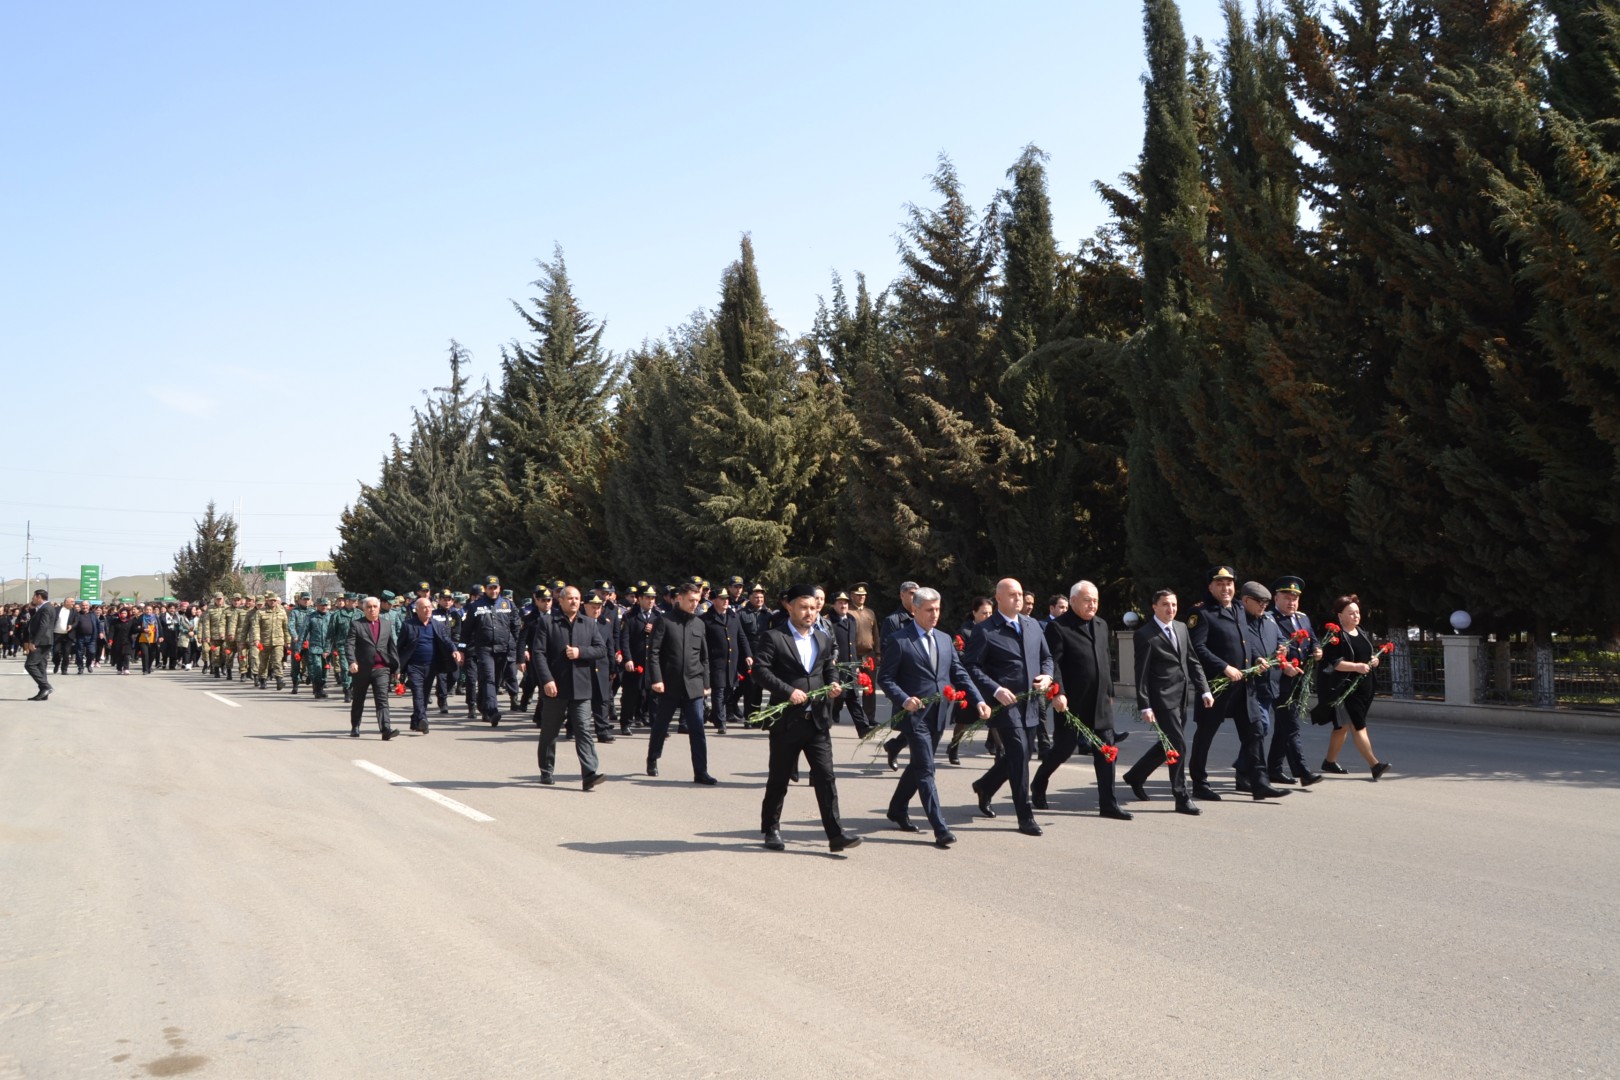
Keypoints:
pixel 426 793
pixel 226 700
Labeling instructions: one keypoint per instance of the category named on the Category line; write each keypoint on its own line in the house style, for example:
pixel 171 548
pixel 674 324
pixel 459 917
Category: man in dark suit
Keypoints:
pixel 426 651
pixel 1169 679
pixel 566 648
pixel 635 638
pixel 1263 640
pixel 1078 639
pixel 729 657
pixel 40 641
pixel 1008 659
pixel 793 662
pixel 919 662
pixel 373 660
pixel 679 667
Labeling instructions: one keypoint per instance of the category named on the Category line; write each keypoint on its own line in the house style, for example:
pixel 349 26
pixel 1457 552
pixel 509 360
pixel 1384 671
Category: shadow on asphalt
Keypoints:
pixel 644 849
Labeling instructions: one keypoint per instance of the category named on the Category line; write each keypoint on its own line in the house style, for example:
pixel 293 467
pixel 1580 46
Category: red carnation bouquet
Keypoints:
pixel 1221 683
pixel 1107 750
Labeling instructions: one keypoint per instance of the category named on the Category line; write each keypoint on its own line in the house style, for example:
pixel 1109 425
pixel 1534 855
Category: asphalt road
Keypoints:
pixel 191 888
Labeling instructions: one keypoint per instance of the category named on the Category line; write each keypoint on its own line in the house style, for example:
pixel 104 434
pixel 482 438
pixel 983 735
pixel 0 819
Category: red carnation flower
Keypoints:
pixel 1110 752
pixel 1332 627
pixel 1053 691
pixel 960 644
pixel 399 689
pixel 1387 647
pixel 1172 756
pixel 869 664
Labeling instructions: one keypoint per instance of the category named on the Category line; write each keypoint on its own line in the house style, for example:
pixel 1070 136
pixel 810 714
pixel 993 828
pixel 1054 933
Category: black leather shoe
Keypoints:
pixel 1037 799
pixel 390 733
pixel 1138 791
pixel 984 802
pixel 953 755
pixel 843 841
pixel 706 780
pixel 1334 767
pixel 444 710
pixel 545 778
pixel 1310 778
pixel 1187 806
pixel 354 733
pixel 1268 792
pixel 1241 785
pixel 773 841
pixel 38 696
pixel 609 737
pixel 1116 813
pixel 1121 737
pixel 424 727
pixel 415 726
pixel 494 719
pixel 594 780
pixel 944 839
pixel 894 759
pixel 652 767
pixel 1204 791
pixel 903 823
pixel 1029 828
pixel 1380 769
pixel 1281 779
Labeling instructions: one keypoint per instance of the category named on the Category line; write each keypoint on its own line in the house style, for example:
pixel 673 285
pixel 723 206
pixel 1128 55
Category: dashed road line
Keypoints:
pixel 226 700
pixel 426 793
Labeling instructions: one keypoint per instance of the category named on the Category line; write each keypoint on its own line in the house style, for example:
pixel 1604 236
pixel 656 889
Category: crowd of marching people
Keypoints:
pixel 700 658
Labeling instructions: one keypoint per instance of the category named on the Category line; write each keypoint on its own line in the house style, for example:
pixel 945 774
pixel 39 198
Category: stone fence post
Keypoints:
pixel 1462 658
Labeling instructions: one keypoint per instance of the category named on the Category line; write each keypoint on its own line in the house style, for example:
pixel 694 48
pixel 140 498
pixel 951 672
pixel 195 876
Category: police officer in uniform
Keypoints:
pixel 1287 743
pixel 531 673
pixel 493 629
pixel 844 627
pixel 450 615
pixel 316 644
pixel 1220 641
pixel 635 634
pixel 729 657
pixel 756 619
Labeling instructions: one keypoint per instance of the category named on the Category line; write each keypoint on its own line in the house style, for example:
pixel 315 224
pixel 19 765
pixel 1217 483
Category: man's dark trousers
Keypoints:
pixel 554 712
pixel 419 677
pixel 377 679
pixel 664 708
pixel 918 779
pixel 35 665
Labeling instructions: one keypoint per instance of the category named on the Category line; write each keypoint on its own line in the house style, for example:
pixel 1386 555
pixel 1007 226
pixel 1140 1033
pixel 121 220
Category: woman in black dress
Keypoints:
pixel 1353 656
pixel 119 633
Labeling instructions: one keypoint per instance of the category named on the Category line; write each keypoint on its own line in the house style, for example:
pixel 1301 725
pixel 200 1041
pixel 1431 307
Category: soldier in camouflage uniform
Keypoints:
pixel 316 644
pixel 270 640
pixel 246 621
pixel 338 636
pixel 211 630
pixel 297 616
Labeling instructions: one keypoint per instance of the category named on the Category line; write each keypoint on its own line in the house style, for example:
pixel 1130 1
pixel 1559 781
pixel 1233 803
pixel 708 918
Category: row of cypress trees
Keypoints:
pixel 1354 317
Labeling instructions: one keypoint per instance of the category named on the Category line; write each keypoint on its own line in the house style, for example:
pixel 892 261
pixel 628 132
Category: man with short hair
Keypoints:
pixel 756 619
pixel 918 665
pixel 795 661
pixel 425 649
pixel 374 658
pixel 868 646
pixel 272 640
pixel 635 640
pixel 1078 639
pixel 297 619
pixel 1008 659
pixel 566 647
pixel 1263 641
pixel 729 659
pixel 40 642
pixel 679 669
pixel 1169 678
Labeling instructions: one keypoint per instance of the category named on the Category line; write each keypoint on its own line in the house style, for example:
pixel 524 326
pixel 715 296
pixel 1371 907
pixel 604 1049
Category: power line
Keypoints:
pixel 147 510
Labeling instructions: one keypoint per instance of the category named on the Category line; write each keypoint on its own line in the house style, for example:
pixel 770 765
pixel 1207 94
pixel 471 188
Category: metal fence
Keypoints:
pixel 1573 672
pixel 1415 671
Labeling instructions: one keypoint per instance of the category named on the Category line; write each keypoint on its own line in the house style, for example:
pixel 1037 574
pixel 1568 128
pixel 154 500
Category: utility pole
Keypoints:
pixel 28 557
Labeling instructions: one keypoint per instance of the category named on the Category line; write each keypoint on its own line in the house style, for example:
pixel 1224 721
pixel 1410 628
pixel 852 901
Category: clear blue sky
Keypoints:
pixel 245 235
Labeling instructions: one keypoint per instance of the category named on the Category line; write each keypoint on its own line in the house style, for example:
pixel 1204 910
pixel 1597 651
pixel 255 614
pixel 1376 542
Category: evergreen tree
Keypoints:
pixel 761 439
pixel 653 428
pixel 415 521
pixel 1584 82
pixel 1163 549
pixel 550 445
pixel 205 565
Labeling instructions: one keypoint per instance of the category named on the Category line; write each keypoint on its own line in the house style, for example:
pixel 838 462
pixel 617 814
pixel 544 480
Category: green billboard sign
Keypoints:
pixel 90 584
